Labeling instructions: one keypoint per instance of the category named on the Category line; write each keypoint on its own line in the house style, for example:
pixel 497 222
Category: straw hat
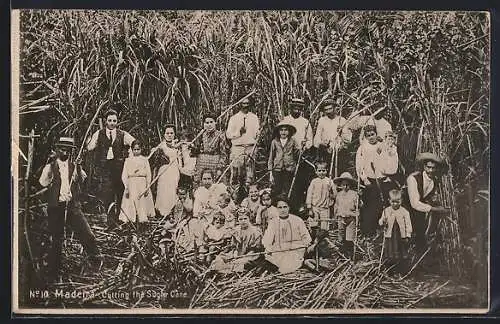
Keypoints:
pixel 345 176
pixel 291 129
pixel 66 141
pixel 428 156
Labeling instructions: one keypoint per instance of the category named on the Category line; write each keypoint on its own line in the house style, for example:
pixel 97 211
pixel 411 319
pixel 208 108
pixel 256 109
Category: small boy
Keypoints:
pixel 252 202
pixel 283 157
pixel 397 232
pixel 320 197
pixel 346 212
pixel 228 208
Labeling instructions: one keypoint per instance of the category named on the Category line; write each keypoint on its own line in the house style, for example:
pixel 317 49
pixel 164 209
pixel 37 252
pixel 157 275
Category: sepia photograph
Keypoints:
pixel 250 162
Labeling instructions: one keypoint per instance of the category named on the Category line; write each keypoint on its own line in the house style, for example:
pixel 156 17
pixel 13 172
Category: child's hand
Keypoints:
pixel 310 213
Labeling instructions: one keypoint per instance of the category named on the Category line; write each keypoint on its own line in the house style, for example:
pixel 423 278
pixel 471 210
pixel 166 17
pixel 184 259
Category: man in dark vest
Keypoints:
pixel 422 188
pixel 111 147
pixel 63 183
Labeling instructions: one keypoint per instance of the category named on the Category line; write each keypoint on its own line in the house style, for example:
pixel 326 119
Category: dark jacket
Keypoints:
pixel 118 147
pixel 54 188
pixel 283 158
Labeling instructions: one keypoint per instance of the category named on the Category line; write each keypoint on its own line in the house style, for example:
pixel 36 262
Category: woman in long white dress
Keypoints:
pixel 137 203
pixel 168 172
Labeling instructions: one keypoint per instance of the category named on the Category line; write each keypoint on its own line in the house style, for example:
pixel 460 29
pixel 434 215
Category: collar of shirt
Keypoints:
pixel 62 164
pixel 111 132
pixel 283 141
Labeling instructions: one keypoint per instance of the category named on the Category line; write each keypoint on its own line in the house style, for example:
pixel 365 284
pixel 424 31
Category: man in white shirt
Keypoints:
pixel 111 145
pixel 422 186
pixel 63 183
pixel 242 130
pixel 332 134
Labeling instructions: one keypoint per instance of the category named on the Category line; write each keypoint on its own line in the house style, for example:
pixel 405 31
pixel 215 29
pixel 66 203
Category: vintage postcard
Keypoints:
pixel 250 162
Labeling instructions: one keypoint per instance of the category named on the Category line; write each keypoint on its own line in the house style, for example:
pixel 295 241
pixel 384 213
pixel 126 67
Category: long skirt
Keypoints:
pixel 134 208
pixel 166 194
pixel 206 161
pixel 373 205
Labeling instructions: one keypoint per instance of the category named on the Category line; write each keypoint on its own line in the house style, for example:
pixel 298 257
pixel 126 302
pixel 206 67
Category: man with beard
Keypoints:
pixel 111 147
pixel 422 186
pixel 63 182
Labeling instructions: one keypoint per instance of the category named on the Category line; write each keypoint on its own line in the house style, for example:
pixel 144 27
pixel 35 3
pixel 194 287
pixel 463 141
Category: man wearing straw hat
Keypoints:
pixel 63 183
pixel 111 147
pixel 422 186
pixel 332 134
pixel 242 131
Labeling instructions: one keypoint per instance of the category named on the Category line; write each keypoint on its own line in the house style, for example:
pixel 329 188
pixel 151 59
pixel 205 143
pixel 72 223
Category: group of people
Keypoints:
pixel 195 199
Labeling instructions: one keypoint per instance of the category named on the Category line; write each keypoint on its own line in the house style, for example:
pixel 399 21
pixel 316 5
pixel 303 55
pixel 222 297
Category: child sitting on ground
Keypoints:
pixel 201 206
pixel 397 232
pixel 266 211
pixel 252 202
pixel 228 208
pixel 346 210
pixel 215 235
pixel 320 197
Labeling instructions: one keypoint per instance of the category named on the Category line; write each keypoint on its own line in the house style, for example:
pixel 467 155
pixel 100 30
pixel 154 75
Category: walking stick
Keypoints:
pixel 356 224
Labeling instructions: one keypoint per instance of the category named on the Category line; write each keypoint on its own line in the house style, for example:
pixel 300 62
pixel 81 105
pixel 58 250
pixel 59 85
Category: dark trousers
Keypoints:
pixel 343 158
pixel 419 224
pixel 186 181
pixel 374 201
pixel 282 182
pixel 303 178
pixel 110 188
pixel 77 222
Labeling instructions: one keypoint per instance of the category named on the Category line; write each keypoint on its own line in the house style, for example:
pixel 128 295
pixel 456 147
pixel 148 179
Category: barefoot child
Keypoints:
pixel 320 197
pixel 346 212
pixel 397 232
pixel 137 203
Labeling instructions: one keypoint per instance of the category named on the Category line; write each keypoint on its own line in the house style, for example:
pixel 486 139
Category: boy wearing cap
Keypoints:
pixel 421 188
pixel 111 147
pixel 63 179
pixel 283 157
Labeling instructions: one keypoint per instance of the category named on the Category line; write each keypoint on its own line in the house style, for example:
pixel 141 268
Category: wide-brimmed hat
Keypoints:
pixel 291 129
pixel 345 176
pixel 66 141
pixel 297 102
pixel 428 156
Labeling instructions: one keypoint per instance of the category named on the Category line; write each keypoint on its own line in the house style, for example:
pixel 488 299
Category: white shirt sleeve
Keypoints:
pixel 415 196
pixel 232 128
pixel 93 141
pixel 127 138
pixel 46 176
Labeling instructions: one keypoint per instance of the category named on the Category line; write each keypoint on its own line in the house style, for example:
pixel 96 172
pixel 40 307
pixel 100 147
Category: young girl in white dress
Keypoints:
pixel 137 203
pixel 168 179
